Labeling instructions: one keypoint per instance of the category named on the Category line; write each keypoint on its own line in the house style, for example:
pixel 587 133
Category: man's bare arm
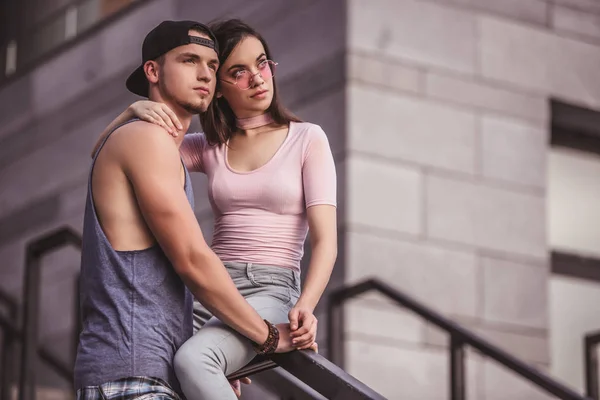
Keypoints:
pixel 152 164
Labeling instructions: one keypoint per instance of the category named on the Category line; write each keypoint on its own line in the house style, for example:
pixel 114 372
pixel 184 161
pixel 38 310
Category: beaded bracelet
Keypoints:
pixel 270 345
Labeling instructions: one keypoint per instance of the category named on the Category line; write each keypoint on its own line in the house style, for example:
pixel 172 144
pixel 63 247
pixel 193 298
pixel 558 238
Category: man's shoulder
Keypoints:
pixel 140 137
pixel 142 131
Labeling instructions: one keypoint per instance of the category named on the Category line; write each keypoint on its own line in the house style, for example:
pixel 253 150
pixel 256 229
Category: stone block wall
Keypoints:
pixel 448 131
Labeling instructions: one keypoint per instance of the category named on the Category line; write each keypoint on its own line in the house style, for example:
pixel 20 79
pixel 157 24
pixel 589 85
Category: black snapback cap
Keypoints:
pixel 165 37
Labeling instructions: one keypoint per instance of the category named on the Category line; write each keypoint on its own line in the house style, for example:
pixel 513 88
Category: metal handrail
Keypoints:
pixel 8 341
pixel 259 364
pixel 8 324
pixel 33 273
pixel 459 337
pixel 316 371
pixel 590 347
pixel 325 377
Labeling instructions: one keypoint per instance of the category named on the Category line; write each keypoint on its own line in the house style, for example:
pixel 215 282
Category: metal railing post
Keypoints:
pixel 31 296
pixel 335 331
pixel 77 317
pixel 30 325
pixel 457 369
pixel 8 351
pixel 591 366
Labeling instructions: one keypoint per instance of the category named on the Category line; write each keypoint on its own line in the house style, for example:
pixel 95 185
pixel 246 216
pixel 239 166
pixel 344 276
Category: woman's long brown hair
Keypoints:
pixel 218 121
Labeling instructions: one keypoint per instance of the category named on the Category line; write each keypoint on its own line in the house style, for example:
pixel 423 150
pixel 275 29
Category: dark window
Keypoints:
pixel 32 29
pixel 576 128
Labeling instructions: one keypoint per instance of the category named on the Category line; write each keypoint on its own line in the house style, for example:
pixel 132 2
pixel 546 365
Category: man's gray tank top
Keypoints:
pixel 136 311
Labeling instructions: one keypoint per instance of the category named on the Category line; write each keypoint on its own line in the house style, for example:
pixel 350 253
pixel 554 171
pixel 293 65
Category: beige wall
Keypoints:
pixel 446 170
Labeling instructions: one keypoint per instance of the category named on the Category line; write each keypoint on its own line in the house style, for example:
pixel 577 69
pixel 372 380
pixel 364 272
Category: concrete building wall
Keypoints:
pixel 448 130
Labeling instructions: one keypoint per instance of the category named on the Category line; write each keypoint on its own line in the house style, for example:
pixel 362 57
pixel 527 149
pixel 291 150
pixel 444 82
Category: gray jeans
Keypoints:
pixel 215 351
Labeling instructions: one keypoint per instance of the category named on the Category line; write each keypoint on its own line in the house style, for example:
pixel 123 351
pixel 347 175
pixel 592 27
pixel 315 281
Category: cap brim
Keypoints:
pixel 137 82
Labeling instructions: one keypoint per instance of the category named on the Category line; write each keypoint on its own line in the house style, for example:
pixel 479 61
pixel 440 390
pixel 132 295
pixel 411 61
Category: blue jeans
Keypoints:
pixel 215 350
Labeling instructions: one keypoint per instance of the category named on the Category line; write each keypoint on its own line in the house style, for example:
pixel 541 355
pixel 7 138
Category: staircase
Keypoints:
pixel 297 375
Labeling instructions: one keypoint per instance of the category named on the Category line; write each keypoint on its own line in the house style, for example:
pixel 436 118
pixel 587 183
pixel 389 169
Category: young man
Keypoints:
pixel 142 246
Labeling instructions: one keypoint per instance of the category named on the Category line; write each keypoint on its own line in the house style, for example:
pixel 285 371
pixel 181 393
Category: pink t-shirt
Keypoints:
pixel 260 216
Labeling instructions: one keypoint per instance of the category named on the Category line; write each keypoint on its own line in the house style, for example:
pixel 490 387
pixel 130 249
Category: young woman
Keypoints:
pixel 271 179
